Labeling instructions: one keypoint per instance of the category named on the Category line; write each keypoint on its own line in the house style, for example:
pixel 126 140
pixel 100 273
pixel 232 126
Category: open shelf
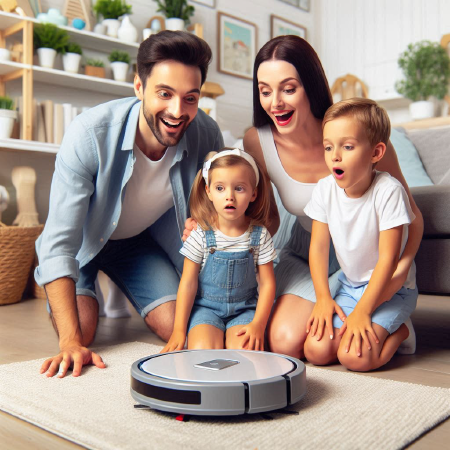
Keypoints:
pixel 30 146
pixel 7 67
pixel 82 82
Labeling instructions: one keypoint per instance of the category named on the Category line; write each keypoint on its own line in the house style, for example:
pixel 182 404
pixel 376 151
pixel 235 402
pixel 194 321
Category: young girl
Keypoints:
pixel 217 302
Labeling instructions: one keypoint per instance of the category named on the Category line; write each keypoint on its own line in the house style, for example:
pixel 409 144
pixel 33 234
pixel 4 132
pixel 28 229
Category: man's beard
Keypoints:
pixel 154 122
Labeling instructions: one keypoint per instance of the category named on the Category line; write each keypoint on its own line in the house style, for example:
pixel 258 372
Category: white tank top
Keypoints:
pixel 294 194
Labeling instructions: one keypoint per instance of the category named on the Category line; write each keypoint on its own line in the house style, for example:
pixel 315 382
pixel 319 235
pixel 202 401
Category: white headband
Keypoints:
pixel 236 152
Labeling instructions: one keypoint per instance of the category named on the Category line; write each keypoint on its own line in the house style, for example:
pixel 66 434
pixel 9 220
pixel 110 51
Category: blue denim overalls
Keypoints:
pixel 227 287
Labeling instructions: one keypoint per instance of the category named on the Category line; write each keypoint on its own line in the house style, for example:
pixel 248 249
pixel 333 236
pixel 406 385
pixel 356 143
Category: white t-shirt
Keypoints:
pixel 355 223
pixel 148 194
pixel 196 250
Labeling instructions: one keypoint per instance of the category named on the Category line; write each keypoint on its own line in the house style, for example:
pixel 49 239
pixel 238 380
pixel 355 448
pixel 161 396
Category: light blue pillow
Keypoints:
pixel 409 159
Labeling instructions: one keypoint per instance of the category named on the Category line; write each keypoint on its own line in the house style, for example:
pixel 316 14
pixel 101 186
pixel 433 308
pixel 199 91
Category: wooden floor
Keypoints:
pixel 26 333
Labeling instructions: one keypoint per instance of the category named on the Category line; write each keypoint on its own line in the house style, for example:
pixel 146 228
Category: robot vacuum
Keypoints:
pixel 218 382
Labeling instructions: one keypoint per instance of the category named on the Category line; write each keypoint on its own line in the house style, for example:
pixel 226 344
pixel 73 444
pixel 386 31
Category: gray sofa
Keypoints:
pixel 433 257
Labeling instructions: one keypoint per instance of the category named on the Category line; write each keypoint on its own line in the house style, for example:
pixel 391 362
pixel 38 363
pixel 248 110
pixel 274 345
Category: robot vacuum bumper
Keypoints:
pixel 218 382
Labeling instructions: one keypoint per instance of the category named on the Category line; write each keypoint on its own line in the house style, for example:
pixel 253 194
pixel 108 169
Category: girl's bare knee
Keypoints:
pixel 352 361
pixel 319 353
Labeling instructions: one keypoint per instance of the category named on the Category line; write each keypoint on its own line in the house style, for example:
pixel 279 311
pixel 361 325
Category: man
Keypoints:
pixel 118 201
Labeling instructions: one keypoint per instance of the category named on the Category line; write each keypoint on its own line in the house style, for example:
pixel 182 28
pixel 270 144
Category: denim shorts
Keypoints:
pixel 139 267
pixel 222 315
pixel 390 315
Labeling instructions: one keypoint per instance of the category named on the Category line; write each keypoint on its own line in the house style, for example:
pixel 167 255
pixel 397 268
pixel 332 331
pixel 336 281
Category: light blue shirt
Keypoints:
pixel 92 168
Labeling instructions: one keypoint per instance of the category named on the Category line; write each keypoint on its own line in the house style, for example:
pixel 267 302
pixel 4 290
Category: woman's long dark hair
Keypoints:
pixel 301 55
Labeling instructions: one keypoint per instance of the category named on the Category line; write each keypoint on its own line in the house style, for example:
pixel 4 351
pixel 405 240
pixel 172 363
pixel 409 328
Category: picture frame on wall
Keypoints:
pixel 236 42
pixel 210 3
pixel 281 27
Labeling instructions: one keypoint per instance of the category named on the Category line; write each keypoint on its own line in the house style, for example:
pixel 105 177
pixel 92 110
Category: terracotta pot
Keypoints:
pixel 95 71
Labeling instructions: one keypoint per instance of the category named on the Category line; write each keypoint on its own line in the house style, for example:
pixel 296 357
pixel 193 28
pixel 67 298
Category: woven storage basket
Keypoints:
pixel 16 259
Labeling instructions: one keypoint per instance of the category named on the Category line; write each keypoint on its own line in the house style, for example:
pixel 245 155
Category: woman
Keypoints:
pixel 290 97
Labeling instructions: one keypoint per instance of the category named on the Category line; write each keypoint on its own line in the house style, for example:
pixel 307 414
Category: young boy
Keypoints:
pixel 367 214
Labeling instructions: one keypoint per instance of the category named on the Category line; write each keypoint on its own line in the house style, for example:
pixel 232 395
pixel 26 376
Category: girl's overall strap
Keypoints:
pixel 255 237
pixel 210 238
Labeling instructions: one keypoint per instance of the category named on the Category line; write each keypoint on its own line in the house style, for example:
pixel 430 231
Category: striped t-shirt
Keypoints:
pixel 196 250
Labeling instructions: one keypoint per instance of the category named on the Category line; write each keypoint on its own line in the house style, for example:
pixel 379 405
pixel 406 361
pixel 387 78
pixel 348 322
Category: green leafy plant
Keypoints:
pixel 111 9
pixel 95 62
pixel 426 67
pixel 6 103
pixel 47 35
pixel 119 56
pixel 176 8
pixel 74 48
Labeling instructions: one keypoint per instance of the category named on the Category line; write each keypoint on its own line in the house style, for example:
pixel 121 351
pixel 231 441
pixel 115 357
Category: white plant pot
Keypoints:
pixel 175 24
pixel 127 31
pixel 5 54
pixel 120 70
pixel 7 118
pixel 71 62
pixel 421 110
pixel 112 27
pixel 46 57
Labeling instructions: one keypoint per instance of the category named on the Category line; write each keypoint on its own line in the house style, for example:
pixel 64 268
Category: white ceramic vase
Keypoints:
pixel 421 110
pixel 174 24
pixel 112 27
pixel 127 31
pixel 5 54
pixel 120 70
pixel 46 57
pixel 71 62
pixel 7 118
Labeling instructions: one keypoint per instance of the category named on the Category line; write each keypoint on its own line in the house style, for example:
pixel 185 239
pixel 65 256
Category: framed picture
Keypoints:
pixel 236 43
pixel 210 3
pixel 281 27
pixel 304 4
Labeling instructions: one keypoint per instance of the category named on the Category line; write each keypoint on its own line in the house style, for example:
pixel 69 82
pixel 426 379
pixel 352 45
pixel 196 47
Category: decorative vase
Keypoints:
pixel 120 70
pixel 71 62
pixel 112 27
pixel 100 28
pixel 421 110
pixel 127 31
pixel 7 118
pixel 94 71
pixel 5 54
pixel 174 24
pixel 46 57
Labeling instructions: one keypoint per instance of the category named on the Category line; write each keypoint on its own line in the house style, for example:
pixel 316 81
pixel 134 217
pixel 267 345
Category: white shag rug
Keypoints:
pixel 340 411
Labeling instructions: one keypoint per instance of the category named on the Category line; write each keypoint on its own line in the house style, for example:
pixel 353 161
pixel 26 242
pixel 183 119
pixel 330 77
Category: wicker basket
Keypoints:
pixel 16 259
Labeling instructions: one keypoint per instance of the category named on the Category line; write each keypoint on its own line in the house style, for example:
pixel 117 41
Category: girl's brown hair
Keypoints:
pixel 202 209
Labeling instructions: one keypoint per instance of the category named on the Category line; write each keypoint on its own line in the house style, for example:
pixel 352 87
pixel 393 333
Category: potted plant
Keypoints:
pixel 111 10
pixel 7 117
pixel 426 67
pixel 95 68
pixel 48 41
pixel 120 61
pixel 72 57
pixel 177 12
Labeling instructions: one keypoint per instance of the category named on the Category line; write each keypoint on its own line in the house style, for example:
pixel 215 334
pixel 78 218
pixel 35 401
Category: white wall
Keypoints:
pixel 366 37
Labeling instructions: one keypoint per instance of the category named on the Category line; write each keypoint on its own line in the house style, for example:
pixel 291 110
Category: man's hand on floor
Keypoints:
pixel 71 355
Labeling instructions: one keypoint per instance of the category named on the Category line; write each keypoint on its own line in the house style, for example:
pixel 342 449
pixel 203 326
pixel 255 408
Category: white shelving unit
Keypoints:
pixel 9 70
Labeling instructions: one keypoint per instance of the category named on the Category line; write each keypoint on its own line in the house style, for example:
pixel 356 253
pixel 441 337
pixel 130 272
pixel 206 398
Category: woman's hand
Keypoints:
pixel 253 336
pixel 322 317
pixel 357 326
pixel 176 342
pixel 189 225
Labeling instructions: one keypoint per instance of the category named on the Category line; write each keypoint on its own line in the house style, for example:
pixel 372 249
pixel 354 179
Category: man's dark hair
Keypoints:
pixel 180 46
pixel 301 55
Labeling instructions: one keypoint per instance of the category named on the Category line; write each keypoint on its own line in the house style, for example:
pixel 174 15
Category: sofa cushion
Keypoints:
pixel 433 145
pixel 409 159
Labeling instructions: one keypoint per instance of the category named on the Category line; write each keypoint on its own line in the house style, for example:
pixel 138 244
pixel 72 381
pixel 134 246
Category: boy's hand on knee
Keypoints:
pixel 322 318
pixel 176 342
pixel 357 327
pixel 189 225
pixel 253 336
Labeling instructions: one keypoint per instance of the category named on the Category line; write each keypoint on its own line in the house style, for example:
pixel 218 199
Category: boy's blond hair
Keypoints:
pixel 202 209
pixel 368 113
